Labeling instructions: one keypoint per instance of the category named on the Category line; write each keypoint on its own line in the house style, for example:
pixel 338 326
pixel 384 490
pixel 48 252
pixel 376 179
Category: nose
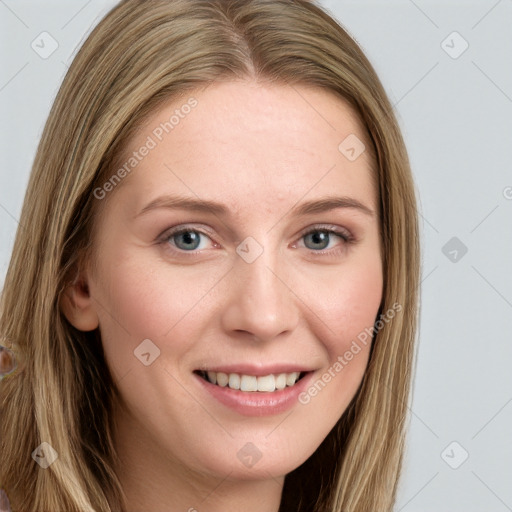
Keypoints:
pixel 261 303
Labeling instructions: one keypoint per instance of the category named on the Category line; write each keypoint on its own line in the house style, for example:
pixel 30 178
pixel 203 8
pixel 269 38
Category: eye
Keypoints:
pixel 320 240
pixel 186 239
pixel 323 238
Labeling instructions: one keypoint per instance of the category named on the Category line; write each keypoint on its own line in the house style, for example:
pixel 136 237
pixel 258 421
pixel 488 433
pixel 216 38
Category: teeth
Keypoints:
pixel 291 378
pixel 281 381
pixel 222 379
pixel 247 382
pixel 250 383
pixel 267 383
pixel 234 381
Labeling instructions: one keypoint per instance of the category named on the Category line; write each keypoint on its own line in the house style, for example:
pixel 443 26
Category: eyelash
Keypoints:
pixel 344 234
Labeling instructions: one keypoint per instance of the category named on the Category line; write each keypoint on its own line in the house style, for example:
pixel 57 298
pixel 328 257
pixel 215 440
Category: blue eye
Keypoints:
pixel 320 238
pixel 186 239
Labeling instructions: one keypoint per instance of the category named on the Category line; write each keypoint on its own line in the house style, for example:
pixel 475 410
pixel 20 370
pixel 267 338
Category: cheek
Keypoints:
pixel 348 312
pixel 143 298
pixel 349 304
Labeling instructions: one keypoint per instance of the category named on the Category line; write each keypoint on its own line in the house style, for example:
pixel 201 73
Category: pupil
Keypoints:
pixel 320 237
pixel 190 238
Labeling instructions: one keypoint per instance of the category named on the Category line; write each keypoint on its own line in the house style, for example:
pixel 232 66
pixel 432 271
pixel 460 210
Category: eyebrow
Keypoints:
pixel 205 206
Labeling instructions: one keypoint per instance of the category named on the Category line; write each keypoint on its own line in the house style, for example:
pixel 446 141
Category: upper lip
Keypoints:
pixel 256 370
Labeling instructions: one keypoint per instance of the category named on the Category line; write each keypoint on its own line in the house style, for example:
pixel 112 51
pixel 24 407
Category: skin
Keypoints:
pixel 259 149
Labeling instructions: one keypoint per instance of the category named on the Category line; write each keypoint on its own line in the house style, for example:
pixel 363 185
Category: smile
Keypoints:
pixel 252 383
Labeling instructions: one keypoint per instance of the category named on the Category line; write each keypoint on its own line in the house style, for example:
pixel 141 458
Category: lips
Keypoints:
pixel 250 383
pixel 253 390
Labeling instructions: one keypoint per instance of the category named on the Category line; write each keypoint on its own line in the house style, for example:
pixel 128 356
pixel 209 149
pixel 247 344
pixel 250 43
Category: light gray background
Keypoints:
pixel 456 117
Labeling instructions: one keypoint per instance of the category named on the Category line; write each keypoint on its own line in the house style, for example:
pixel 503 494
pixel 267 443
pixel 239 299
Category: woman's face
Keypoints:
pixel 227 253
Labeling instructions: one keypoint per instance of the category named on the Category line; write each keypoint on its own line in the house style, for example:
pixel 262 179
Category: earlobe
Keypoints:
pixel 78 306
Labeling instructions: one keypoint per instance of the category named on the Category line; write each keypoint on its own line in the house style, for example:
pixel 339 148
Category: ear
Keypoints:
pixel 78 306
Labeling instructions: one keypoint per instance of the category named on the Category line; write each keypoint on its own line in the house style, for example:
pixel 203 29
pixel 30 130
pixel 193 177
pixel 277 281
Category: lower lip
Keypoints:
pixel 257 403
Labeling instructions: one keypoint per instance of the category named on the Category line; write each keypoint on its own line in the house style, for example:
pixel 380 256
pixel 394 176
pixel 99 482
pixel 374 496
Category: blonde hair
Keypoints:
pixel 143 53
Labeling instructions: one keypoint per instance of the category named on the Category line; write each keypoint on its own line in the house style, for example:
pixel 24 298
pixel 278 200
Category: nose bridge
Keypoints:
pixel 259 300
pixel 263 288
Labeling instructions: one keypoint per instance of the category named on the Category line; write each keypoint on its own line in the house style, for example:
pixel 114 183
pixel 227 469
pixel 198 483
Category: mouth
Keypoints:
pixel 252 390
pixel 270 383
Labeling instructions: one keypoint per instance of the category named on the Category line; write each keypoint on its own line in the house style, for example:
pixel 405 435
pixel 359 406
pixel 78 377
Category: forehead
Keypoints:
pixel 269 142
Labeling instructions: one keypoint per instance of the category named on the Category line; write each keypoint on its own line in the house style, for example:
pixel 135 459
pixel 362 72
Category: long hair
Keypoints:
pixel 143 53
